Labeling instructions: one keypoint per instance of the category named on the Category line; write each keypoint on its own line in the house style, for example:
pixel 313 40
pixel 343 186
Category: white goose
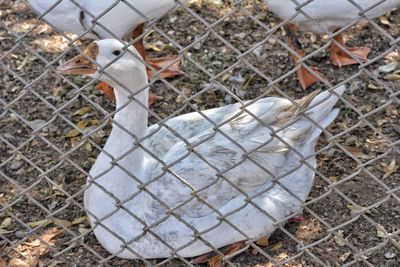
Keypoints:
pixel 329 16
pixel 114 20
pixel 113 216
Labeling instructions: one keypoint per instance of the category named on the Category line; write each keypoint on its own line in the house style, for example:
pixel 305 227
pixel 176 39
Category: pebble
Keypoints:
pixel 389 255
pixel 16 165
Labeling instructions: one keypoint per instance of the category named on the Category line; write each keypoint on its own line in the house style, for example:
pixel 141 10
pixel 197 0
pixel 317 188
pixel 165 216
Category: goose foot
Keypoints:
pixel 341 58
pixel 215 260
pixel 296 219
pixel 305 77
pixel 154 99
pixel 170 63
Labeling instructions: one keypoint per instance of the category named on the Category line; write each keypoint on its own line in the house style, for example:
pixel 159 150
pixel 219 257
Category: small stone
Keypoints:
pixel 389 255
pixel 16 165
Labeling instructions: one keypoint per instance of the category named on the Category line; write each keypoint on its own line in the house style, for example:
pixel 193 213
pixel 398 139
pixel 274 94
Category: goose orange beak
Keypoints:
pixel 81 64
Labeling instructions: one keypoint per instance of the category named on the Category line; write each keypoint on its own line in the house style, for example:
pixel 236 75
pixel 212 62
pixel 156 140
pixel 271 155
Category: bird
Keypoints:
pixel 178 186
pixel 322 16
pixel 113 20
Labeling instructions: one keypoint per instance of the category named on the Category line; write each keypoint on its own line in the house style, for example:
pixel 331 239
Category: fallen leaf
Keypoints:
pixel 3 263
pixel 34 243
pixel 339 238
pixel 39 223
pixel 388 68
pixel 392 77
pixel 356 152
pixel 61 222
pixel 80 220
pixel 263 241
pixel 83 111
pixel 6 223
pixel 380 231
pixel 88 147
pixel 247 82
pixel 152 47
pixel 277 245
pixel 82 125
pixel 225 77
pixel 355 209
pixel 389 169
pixel 55 263
pixel 179 99
pixel 83 230
pixel 36 124
pixel 49 234
pixel 72 133
pixel 384 20
pixel 345 256
pixel 15 262
pixel 27 59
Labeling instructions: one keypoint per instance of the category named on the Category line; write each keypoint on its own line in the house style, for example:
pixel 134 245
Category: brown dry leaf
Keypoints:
pixel 61 222
pixel 83 111
pixel 215 261
pixel 3 263
pixel 15 262
pixel 263 241
pixel 277 246
pixel 356 152
pixel 390 169
pixel 50 234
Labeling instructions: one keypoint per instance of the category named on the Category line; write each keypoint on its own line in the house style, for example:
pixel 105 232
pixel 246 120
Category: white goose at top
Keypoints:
pixel 126 183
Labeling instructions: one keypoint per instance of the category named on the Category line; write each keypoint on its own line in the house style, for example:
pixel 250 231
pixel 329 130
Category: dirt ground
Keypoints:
pixel 352 216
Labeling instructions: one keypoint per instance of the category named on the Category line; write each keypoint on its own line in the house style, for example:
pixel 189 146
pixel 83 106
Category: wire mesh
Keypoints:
pixel 55 126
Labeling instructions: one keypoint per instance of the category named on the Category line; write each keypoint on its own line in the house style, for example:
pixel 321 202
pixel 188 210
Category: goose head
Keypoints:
pixel 110 61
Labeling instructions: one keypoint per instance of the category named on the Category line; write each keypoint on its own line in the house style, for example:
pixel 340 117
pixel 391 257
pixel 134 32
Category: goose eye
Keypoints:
pixel 116 52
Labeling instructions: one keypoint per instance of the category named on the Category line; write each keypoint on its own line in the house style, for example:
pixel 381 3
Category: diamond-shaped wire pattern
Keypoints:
pixel 54 127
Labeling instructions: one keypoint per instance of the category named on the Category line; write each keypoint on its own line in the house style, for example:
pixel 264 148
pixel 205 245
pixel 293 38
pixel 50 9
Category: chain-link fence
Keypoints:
pixel 54 128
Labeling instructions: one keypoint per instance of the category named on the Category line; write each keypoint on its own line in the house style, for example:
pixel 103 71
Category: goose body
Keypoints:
pixel 331 15
pixel 116 19
pixel 127 182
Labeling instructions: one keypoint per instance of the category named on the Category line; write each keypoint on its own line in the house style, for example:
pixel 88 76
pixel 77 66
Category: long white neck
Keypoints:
pixel 120 152
pixel 130 122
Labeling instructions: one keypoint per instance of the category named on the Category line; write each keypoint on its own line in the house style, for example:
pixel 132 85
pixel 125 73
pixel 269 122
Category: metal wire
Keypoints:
pixel 16 242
